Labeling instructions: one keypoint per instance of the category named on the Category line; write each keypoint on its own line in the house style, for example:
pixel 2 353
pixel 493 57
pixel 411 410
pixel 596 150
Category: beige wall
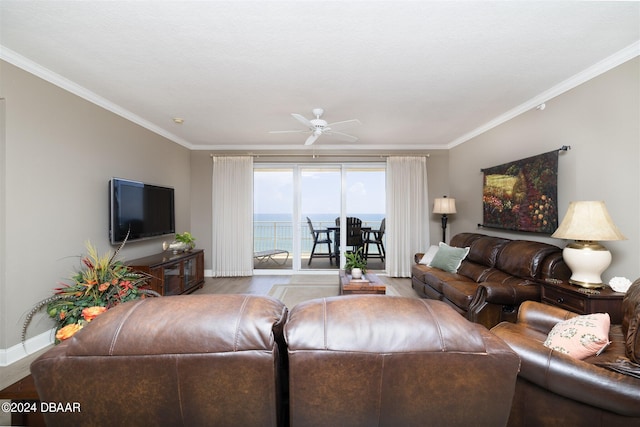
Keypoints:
pixel 438 182
pixel 201 203
pixel 600 120
pixel 59 152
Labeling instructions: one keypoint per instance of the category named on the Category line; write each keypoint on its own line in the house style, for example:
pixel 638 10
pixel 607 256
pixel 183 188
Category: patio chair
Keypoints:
pixel 354 233
pixel 317 239
pixel 374 237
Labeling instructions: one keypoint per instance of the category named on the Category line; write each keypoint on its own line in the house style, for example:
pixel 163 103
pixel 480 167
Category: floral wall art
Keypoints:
pixel 522 195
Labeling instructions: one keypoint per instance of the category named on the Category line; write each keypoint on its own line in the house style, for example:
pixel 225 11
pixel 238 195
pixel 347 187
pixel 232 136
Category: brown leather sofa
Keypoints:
pixel 222 360
pixel 368 360
pixel 180 360
pixel 555 389
pixel 494 279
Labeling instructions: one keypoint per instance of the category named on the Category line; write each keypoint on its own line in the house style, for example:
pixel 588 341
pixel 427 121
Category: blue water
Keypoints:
pixel 316 217
pixel 274 231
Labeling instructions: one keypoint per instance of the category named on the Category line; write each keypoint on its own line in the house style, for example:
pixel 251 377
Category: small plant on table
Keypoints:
pixel 355 260
pixel 187 239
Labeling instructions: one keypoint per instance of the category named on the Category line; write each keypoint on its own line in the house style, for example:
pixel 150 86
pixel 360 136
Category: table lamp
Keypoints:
pixel 444 206
pixel 587 222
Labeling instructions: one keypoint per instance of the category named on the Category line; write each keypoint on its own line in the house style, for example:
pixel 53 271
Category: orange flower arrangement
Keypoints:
pixel 67 331
pixel 103 283
pixel 91 313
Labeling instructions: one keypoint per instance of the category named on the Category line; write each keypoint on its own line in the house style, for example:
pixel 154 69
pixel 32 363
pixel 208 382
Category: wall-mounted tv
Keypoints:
pixel 142 210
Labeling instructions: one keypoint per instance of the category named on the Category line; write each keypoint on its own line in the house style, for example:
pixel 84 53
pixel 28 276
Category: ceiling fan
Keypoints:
pixel 319 127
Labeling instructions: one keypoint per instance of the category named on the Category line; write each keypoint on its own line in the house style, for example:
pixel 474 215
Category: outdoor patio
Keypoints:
pixel 279 263
pixel 278 234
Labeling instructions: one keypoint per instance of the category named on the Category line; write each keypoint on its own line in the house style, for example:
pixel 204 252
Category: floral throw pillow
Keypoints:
pixel 580 336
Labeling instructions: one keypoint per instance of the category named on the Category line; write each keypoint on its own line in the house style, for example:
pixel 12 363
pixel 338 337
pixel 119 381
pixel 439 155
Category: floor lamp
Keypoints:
pixel 444 206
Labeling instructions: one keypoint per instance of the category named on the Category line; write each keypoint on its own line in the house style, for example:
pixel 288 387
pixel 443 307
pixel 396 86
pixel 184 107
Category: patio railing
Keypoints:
pixel 279 234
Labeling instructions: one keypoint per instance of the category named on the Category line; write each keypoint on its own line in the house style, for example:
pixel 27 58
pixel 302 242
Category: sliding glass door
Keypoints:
pixel 365 201
pixel 319 207
pixel 299 211
pixel 273 223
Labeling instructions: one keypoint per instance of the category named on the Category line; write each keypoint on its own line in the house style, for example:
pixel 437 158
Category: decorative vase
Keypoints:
pixel 356 273
pixel 177 247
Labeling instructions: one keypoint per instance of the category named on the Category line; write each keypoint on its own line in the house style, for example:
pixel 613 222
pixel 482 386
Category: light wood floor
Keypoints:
pixel 260 285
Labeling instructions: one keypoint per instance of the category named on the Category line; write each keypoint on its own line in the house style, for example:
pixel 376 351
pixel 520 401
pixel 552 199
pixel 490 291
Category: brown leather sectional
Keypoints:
pixel 372 360
pixel 240 360
pixel 493 280
pixel 554 389
pixel 178 360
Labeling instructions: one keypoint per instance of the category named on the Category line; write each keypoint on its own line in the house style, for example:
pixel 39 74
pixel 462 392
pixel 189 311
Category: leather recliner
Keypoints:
pixel 493 280
pixel 222 360
pixel 180 360
pixel 555 389
pixel 497 275
pixel 367 360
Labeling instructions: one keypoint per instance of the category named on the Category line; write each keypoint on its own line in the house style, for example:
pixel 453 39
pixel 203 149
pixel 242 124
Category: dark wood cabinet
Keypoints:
pixel 173 274
pixel 584 301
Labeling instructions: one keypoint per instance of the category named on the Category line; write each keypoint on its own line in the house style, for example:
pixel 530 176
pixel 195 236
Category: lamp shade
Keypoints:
pixel 444 205
pixel 588 220
pixel 586 223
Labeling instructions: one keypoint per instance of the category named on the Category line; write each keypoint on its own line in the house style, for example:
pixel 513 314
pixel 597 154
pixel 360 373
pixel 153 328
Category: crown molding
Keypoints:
pixel 310 149
pixel 595 70
pixel 44 73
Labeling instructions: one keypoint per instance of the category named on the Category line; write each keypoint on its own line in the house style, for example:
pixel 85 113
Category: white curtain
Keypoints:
pixel 232 216
pixel 407 213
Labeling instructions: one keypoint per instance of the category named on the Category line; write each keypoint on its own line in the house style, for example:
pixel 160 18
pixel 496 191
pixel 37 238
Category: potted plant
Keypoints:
pixel 356 263
pixel 186 238
pixel 101 283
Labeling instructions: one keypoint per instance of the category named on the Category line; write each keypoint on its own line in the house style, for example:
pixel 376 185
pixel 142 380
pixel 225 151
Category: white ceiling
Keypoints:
pixel 417 74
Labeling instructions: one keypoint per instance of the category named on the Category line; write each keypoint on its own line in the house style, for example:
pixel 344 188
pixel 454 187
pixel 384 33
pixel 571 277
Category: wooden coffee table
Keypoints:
pixel 370 284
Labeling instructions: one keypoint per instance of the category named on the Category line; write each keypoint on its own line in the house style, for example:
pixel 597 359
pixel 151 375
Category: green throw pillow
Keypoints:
pixel 449 258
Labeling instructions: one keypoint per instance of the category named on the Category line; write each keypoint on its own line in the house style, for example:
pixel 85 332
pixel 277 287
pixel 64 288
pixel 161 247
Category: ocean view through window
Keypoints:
pixel 322 194
pixel 271 231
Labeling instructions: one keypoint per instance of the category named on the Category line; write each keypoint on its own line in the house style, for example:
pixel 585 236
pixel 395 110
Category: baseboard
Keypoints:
pixel 13 354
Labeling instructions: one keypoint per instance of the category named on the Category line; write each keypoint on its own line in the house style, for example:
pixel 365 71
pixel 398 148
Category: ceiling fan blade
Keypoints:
pixel 312 138
pixel 303 120
pixel 342 136
pixel 344 124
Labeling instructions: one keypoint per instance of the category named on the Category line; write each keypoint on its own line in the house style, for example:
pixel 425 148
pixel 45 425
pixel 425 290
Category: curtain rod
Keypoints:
pixel 314 156
pixel 563 148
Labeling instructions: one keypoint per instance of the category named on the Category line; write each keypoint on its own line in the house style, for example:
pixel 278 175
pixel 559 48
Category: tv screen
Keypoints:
pixel 143 210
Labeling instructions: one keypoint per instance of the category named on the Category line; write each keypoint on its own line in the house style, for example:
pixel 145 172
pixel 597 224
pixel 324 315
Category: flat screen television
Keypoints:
pixel 142 210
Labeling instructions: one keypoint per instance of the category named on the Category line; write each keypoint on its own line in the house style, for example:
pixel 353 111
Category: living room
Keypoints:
pixel 59 150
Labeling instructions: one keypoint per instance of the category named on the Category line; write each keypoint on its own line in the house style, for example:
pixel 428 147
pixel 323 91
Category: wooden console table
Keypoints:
pixel 584 301
pixel 173 274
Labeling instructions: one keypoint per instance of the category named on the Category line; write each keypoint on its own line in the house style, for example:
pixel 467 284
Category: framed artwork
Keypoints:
pixel 522 195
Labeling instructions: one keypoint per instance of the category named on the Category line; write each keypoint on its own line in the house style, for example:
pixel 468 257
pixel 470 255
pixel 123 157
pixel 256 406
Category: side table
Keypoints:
pixel 583 300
